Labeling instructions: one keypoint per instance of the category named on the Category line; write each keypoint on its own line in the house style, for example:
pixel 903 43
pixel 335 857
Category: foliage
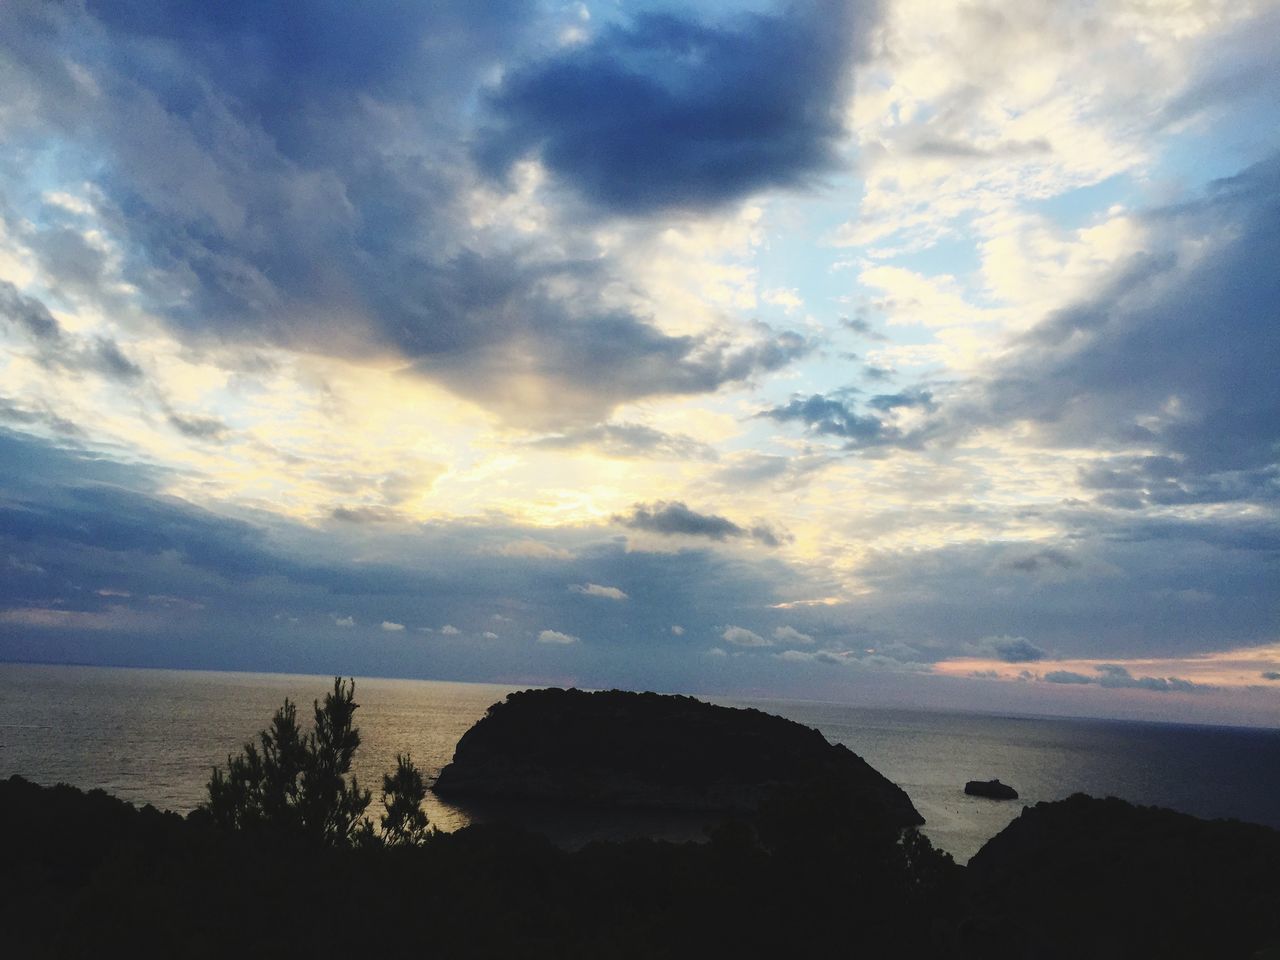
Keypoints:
pixel 403 792
pixel 291 785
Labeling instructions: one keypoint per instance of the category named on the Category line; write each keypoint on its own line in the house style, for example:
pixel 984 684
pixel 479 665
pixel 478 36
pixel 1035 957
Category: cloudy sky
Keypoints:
pixel 898 352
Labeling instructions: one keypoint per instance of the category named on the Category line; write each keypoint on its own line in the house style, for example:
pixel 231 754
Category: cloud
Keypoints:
pixel 667 112
pixel 199 427
pixel 786 634
pixel 596 590
pixel 674 518
pixel 1171 362
pixel 959 149
pixel 1067 676
pixel 1011 649
pixel 391 627
pixel 489 635
pixel 556 637
pixel 449 630
pixel 676 629
pixel 57 349
pixel 1271 675
pixel 742 637
pixel 829 417
pixel 28 314
pixel 363 514
pixel 1112 676
pixel 1116 676
pixel 296 209
pixel 863 328
pixel 24 415
pixel 1048 558
pixel 344 621
pixel 534 550
pixel 835 417
pixel 628 440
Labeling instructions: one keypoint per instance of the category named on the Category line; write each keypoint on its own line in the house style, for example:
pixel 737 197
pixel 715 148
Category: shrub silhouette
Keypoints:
pixel 404 823
pixel 291 785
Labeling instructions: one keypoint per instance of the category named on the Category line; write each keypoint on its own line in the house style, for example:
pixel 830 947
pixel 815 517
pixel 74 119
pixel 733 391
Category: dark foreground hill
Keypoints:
pixel 660 752
pixel 86 875
pixel 1108 880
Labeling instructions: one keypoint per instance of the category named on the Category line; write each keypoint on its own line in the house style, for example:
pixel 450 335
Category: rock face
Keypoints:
pixel 992 789
pixel 651 751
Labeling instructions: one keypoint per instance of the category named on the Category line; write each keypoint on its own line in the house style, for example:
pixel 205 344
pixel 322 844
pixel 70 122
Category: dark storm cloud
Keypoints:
pixel 297 176
pixel 674 518
pixel 1177 354
pixel 1271 675
pixel 667 112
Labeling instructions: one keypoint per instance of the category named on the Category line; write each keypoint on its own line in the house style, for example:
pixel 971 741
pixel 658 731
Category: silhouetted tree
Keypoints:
pixel 404 823
pixel 290 784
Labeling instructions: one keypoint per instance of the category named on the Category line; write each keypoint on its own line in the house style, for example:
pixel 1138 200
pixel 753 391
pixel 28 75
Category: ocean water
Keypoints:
pixel 152 736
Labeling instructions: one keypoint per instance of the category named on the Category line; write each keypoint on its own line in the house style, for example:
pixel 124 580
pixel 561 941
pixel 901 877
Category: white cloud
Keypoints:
pixel 489 635
pixel 449 630
pixel 344 621
pixel 791 635
pixel 555 636
pixel 677 630
pixel 786 298
pixel 596 590
pixel 392 627
pixel 742 637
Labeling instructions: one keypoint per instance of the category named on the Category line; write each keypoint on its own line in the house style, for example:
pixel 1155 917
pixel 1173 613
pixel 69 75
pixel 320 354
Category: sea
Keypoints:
pixel 153 736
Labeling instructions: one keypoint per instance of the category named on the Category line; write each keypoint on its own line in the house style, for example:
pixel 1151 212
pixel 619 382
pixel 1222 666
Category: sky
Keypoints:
pixel 897 352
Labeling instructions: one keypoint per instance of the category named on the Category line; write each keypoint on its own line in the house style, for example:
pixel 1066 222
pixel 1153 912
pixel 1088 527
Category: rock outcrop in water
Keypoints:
pixel 652 751
pixel 991 789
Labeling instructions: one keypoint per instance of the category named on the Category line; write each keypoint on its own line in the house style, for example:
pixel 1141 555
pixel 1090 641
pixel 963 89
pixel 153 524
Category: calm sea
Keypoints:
pixel 151 736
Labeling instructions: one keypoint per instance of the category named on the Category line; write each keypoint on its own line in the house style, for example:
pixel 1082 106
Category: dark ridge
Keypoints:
pixel 649 750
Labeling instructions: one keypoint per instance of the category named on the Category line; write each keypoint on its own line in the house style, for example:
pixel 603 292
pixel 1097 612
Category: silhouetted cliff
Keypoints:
pixel 648 750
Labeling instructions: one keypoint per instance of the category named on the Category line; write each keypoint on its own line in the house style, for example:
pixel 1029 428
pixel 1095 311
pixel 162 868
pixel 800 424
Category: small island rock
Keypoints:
pixel 646 750
pixel 991 789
